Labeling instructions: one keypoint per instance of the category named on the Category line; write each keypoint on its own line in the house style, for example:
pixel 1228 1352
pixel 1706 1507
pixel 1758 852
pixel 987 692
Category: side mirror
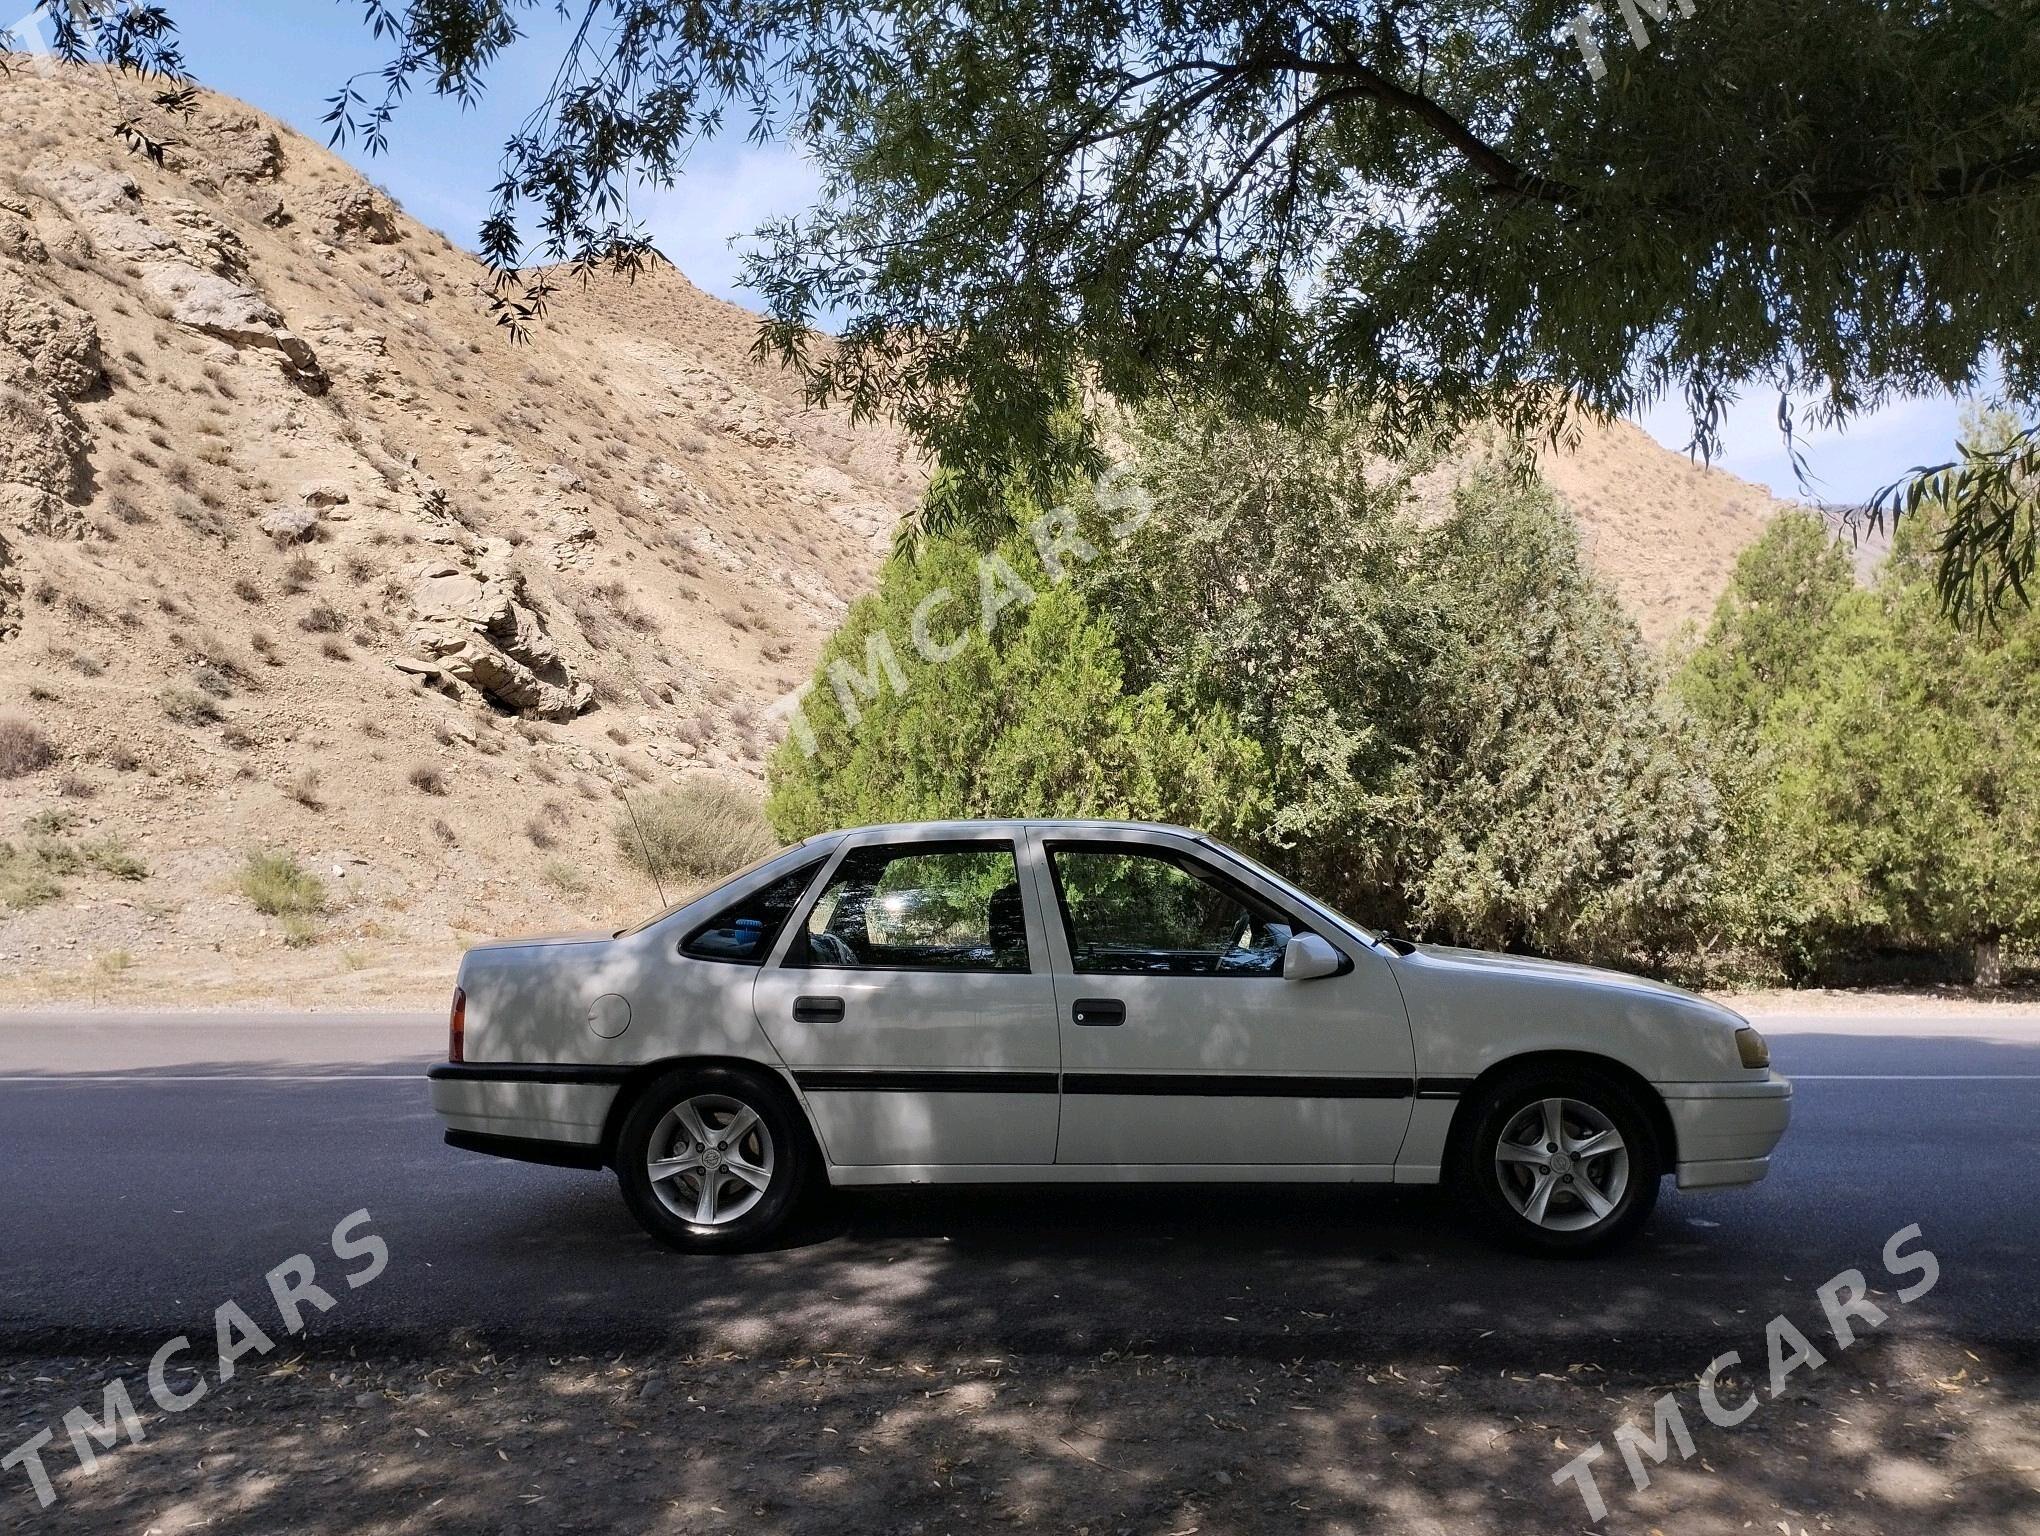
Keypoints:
pixel 1308 956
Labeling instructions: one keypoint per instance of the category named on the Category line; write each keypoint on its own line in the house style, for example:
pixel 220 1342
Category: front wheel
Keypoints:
pixel 710 1160
pixel 1560 1161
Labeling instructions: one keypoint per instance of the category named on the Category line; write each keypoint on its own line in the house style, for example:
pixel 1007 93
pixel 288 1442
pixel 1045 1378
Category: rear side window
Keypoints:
pixel 743 932
pixel 919 907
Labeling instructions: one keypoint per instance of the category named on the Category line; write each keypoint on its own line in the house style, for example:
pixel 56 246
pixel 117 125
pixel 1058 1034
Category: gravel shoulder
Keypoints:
pixel 1898 1435
pixel 1786 1002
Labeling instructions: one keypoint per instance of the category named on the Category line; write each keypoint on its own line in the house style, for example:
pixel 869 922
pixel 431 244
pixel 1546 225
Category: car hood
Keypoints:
pixel 1531 968
pixel 547 940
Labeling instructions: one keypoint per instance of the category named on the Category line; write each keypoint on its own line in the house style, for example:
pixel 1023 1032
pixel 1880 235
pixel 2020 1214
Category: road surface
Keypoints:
pixel 157 1166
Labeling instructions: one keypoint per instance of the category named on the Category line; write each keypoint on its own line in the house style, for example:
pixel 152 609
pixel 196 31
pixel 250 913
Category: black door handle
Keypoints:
pixel 1097 1010
pixel 818 1010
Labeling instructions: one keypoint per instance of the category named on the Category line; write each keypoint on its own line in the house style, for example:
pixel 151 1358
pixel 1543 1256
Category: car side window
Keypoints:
pixel 743 932
pixel 919 907
pixel 1149 912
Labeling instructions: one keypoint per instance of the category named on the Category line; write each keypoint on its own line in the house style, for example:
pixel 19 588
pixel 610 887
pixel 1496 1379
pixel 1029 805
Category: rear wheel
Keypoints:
pixel 1560 1160
pixel 710 1160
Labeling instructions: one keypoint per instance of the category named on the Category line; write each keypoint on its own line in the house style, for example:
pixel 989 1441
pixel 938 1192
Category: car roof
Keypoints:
pixel 918 830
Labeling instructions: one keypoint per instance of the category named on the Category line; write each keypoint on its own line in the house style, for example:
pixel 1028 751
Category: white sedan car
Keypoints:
pixel 1072 1001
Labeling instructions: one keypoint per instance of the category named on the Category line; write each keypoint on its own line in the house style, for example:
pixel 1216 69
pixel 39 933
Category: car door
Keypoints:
pixel 913 1002
pixel 1183 1044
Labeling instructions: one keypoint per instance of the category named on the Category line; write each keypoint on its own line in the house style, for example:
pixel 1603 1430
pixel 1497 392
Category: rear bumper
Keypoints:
pixel 1726 1131
pixel 523 1149
pixel 495 1107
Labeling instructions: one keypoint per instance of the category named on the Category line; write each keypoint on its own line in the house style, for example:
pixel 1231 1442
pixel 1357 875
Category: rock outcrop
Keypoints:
pixel 18 238
pixel 359 211
pixel 475 628
pixel 192 266
pixel 290 525
pixel 49 357
pixel 10 594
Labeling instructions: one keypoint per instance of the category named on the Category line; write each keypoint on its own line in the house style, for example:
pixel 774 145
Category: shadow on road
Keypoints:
pixel 237 1175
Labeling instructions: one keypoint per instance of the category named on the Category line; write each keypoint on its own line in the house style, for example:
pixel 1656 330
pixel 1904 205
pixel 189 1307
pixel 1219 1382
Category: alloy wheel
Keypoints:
pixel 1562 1164
pixel 710 1159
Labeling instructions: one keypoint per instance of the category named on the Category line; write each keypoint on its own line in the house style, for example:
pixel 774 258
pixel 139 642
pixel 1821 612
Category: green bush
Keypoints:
pixel 110 855
pixel 693 833
pixel 279 886
pixel 1034 718
pixel 1876 764
pixel 1443 724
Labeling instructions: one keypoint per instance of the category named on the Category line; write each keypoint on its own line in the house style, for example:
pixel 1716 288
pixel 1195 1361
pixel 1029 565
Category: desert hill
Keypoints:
pixel 297 553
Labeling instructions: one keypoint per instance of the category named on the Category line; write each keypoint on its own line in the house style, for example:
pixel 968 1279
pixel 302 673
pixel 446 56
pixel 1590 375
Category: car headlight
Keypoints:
pixel 1752 1047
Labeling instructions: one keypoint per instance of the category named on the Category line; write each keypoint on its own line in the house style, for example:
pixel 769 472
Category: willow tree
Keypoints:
pixel 1436 209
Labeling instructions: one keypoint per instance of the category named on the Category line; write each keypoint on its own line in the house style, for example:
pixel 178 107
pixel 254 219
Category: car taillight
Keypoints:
pixel 456 1027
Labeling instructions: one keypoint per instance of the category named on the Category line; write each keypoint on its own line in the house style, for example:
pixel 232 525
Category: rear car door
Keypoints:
pixel 913 1002
pixel 1182 1043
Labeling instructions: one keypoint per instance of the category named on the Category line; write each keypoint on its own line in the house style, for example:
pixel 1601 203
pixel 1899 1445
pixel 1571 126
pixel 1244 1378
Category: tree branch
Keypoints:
pixel 1503 172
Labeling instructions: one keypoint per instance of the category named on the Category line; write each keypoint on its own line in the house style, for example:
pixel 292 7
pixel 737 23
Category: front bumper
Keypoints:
pixel 1726 1131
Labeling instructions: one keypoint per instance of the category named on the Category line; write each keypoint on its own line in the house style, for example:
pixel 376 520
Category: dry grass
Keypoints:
pixel 23 749
pixel 188 708
pixel 34 872
pixel 305 790
pixel 563 877
pixel 299 572
pixel 698 831
pixel 25 881
pixel 110 856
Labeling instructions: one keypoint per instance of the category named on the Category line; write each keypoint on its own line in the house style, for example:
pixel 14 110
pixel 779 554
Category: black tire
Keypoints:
pixel 778 1135
pixel 1514 1103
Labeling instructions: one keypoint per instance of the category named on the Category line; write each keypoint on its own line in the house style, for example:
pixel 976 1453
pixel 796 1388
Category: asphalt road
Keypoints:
pixel 156 1166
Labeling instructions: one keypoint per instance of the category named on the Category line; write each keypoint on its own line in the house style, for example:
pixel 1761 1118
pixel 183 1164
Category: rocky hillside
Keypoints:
pixel 1662 530
pixel 298 554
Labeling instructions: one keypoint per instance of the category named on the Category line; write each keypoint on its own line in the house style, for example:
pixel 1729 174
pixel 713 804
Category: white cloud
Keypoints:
pixel 724 195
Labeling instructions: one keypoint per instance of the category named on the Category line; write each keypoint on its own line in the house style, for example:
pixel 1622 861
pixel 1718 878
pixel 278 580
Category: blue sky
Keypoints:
pixel 288 56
